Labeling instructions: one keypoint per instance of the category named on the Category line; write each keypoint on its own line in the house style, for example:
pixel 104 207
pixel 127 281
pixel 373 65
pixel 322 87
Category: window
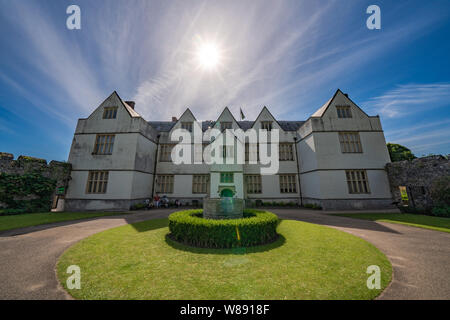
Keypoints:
pixel 187 126
pixel 253 183
pixel 109 112
pixel 285 152
pixel 344 111
pixel 200 183
pixel 350 142
pixel 165 153
pixel 165 184
pixel 97 182
pixel 104 144
pixel 288 183
pixel 227 152
pixel 357 181
pixel 251 152
pixel 266 125
pixel 226 177
pixel 225 125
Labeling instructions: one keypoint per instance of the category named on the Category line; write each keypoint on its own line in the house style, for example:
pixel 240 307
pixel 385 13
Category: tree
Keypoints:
pixel 399 152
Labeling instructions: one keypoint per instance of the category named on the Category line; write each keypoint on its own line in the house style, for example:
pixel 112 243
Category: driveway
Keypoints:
pixel 420 257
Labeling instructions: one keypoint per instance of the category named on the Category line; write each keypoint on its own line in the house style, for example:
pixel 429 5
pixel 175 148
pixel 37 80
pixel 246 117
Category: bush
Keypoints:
pixel 312 206
pixel 443 211
pixel 10 212
pixel 138 206
pixel 256 228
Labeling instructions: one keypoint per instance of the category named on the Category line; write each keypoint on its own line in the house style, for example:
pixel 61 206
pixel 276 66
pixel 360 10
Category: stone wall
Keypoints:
pixel 56 170
pixel 417 176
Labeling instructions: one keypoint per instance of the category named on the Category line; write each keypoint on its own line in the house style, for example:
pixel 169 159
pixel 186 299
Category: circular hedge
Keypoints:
pixel 255 228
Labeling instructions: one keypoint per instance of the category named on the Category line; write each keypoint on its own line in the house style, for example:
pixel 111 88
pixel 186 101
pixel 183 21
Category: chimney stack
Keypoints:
pixel 131 104
pixel 346 94
pixel 174 119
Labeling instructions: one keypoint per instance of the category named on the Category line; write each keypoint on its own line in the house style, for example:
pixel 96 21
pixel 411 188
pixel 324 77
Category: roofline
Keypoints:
pixel 254 122
pixel 226 108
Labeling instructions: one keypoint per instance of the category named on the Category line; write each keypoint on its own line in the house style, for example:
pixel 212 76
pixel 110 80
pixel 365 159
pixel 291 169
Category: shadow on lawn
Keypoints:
pixel 332 220
pixel 232 251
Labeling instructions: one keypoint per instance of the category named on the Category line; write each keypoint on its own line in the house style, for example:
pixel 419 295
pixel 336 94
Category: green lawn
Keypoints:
pixel 34 219
pixel 307 262
pixel 415 220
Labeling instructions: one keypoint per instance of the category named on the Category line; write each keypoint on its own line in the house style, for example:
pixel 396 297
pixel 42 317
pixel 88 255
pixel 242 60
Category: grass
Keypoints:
pixel 415 220
pixel 307 262
pixel 35 219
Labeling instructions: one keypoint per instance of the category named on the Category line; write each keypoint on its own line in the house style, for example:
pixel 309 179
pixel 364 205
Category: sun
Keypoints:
pixel 208 56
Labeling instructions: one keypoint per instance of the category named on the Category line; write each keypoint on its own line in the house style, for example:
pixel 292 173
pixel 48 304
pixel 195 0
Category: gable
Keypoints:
pixel 226 116
pixel 329 110
pixel 265 115
pixel 124 111
pixel 187 116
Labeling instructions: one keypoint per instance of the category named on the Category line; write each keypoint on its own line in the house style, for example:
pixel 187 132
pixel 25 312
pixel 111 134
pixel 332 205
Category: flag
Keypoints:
pixel 242 115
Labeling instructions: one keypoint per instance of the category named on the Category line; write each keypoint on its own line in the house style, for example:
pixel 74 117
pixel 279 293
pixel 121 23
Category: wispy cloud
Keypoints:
pixel 411 98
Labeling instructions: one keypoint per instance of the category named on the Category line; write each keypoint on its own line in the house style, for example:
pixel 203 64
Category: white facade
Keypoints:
pixel 317 171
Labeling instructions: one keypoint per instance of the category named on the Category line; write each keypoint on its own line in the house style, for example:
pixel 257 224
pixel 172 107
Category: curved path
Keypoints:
pixel 420 257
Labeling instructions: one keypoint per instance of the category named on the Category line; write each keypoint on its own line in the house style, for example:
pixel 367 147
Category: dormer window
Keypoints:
pixel 266 125
pixel 344 112
pixel 225 125
pixel 187 126
pixel 110 113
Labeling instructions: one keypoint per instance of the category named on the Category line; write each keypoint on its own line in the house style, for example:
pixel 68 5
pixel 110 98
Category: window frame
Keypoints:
pixel 226 125
pixel 247 152
pixel 204 185
pixel 344 112
pixel 357 181
pixel 225 177
pixel 267 125
pixel 286 149
pixel 166 180
pixel 187 125
pixel 288 183
pixel 110 112
pixel 97 182
pixel 350 142
pixel 104 142
pixel 253 183
pixel 165 155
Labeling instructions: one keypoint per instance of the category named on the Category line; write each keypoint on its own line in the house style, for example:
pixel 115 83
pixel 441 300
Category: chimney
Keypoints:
pixel 130 103
pixel 346 94
pixel 174 119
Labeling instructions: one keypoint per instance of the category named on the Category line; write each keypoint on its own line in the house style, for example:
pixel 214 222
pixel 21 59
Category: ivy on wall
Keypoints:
pixel 30 192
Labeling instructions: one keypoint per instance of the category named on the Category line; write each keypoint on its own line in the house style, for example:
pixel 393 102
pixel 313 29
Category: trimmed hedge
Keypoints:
pixel 190 228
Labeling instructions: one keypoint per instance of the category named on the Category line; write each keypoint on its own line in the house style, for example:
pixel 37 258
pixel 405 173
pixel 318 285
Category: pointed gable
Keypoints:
pixel 186 117
pixel 266 116
pixel 227 117
pixel 339 99
pixel 112 101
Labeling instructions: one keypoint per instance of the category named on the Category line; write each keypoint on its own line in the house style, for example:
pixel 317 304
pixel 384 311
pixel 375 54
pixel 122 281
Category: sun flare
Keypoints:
pixel 208 55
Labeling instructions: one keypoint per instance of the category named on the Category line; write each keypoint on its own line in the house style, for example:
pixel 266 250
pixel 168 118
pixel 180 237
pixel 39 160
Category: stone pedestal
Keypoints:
pixel 223 208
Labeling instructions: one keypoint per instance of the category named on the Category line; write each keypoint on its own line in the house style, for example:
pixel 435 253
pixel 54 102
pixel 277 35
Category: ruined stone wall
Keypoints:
pixel 417 176
pixel 55 170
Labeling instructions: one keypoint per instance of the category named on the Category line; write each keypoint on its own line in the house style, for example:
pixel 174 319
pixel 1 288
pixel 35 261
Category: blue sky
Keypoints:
pixel 288 55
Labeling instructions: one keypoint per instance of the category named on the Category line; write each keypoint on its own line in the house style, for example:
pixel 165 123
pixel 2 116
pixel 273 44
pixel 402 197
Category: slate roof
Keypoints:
pixel 165 126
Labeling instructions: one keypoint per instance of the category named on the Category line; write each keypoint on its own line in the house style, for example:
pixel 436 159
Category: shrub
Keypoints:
pixel 137 206
pixel 443 211
pixel 256 228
